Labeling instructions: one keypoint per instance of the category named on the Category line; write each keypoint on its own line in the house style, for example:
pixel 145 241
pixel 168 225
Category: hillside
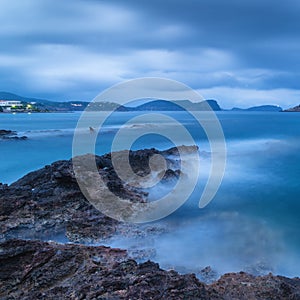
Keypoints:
pixel 177 105
pixel 266 108
pixel 293 109
pixel 44 105
pixel 156 105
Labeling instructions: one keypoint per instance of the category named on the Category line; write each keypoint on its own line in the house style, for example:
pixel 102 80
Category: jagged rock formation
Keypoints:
pixel 40 270
pixel 48 202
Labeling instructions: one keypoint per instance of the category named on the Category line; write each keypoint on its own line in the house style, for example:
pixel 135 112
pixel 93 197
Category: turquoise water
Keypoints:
pixel 252 224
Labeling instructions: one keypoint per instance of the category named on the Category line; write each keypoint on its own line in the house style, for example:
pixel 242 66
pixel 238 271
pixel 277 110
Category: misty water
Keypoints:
pixel 252 224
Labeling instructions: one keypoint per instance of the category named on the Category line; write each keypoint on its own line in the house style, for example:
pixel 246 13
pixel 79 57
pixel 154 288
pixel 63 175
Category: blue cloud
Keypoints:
pixel 74 50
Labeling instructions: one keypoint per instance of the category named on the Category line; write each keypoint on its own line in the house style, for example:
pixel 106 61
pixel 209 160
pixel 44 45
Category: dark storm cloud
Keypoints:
pixel 66 49
pixel 260 33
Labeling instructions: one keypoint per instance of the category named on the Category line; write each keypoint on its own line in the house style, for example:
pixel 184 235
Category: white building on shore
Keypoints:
pixel 10 103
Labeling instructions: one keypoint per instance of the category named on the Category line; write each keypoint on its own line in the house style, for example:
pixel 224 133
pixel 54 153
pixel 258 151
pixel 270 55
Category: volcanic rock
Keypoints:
pixel 40 270
pixel 47 203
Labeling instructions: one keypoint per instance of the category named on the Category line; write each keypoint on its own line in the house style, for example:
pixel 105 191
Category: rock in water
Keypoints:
pixel 48 203
pixel 4 132
pixel 10 135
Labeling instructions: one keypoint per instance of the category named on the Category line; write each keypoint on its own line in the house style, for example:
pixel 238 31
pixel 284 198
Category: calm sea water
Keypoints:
pixel 253 223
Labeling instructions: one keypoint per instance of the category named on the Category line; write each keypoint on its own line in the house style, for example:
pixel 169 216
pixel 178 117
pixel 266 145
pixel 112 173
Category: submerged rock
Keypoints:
pixel 4 132
pixel 10 135
pixel 40 270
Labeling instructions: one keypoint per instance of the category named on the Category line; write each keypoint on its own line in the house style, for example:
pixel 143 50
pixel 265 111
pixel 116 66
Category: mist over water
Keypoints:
pixel 253 223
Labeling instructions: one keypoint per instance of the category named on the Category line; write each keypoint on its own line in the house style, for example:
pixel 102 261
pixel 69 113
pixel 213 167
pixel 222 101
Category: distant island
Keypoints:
pixel 259 108
pixel 293 109
pixel 11 103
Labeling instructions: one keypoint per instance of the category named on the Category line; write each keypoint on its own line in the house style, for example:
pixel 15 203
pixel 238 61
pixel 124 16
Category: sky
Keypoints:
pixel 241 53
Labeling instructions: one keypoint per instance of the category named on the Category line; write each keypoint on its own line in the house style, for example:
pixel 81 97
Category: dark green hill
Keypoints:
pixel 177 105
pixel 266 108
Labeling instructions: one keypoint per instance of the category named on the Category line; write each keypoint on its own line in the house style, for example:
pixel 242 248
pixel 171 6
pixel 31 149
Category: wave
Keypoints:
pixel 257 145
pixel 228 241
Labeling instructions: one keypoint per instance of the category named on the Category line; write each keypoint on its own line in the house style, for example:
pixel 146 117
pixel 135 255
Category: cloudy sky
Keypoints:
pixel 241 53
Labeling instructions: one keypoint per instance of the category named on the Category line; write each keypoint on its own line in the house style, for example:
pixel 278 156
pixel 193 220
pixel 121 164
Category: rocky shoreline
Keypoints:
pixel 47 204
pixel 41 270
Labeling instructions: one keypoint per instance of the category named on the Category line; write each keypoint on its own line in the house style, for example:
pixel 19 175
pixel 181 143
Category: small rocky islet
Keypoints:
pixel 10 135
pixel 47 204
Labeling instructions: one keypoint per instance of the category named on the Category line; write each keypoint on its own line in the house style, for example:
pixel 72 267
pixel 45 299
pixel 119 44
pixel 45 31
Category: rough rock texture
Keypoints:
pixel 40 270
pixel 245 286
pixel 48 202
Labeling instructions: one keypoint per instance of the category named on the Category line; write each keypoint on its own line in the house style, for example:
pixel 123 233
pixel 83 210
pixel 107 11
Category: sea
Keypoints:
pixel 253 222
